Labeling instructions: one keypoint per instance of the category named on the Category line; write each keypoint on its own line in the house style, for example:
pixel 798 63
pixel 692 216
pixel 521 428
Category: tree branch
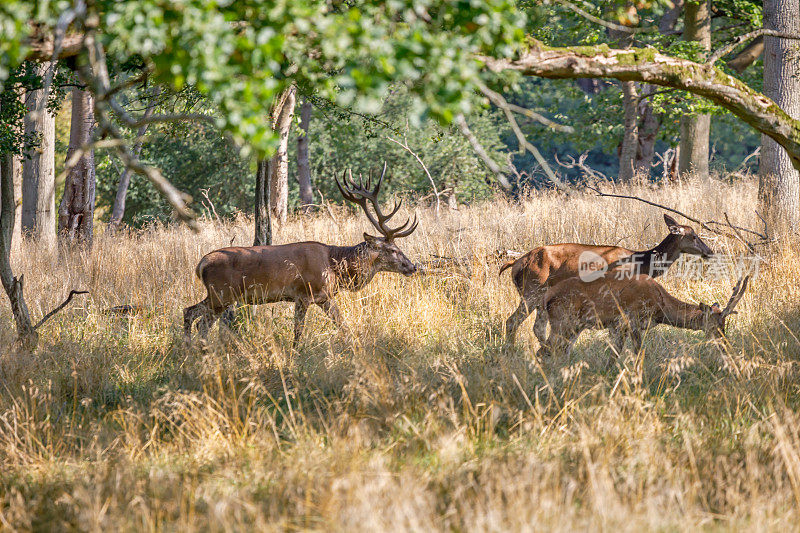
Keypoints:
pixel 499 101
pixel 52 313
pixel 649 66
pixel 404 145
pixel 480 151
pixel 605 23
pixel 762 32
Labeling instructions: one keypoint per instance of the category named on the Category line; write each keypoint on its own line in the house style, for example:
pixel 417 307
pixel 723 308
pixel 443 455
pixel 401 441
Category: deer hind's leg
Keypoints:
pixel 618 334
pixel 192 313
pixel 528 303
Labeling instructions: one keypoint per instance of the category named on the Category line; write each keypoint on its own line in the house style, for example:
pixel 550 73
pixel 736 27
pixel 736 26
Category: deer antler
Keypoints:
pixel 359 194
pixel 738 292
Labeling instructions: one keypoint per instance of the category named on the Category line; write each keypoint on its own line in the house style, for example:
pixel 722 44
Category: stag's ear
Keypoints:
pixel 372 241
pixel 705 308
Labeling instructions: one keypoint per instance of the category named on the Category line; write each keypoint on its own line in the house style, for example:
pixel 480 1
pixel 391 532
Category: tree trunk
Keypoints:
pixel 649 124
pixel 263 224
pixel 118 211
pixel 16 172
pixel 38 171
pixel 282 115
pixel 12 285
pixel 303 166
pixel 630 137
pixel 778 180
pixel 695 129
pixel 76 211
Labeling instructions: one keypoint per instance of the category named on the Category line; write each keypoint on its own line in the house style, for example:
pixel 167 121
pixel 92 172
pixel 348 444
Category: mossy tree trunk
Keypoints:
pixel 695 129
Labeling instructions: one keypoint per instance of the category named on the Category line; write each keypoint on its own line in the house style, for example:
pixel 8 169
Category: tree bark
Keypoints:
pixel 646 65
pixel 11 284
pixel 118 211
pixel 649 124
pixel 630 136
pixel 695 129
pixel 778 177
pixel 76 211
pixel 282 115
pixel 16 172
pixel 38 171
pixel 263 224
pixel 303 166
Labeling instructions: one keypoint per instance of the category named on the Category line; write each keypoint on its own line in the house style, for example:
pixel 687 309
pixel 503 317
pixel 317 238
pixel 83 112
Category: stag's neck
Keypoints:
pixel 655 261
pixel 680 314
pixel 352 266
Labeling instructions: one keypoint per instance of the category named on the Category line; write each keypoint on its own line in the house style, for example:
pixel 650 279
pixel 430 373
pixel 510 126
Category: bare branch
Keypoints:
pixel 605 23
pixel 498 100
pixel 707 225
pixel 762 32
pixel 479 150
pixel 52 313
pixel 404 145
pixel 581 165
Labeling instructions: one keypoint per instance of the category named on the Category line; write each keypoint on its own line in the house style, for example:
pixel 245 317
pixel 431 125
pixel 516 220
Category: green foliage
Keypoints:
pixel 196 158
pixel 240 54
pixel 340 140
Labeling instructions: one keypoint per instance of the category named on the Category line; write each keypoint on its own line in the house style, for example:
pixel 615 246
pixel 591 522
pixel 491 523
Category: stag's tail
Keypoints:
pixel 506 265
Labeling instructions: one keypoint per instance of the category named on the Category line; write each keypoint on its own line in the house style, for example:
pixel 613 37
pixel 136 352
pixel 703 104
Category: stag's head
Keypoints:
pixel 688 241
pixel 714 317
pixel 385 254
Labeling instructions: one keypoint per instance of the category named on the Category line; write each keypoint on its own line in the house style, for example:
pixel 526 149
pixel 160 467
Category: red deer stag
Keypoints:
pixel 543 267
pixel 626 307
pixel 304 272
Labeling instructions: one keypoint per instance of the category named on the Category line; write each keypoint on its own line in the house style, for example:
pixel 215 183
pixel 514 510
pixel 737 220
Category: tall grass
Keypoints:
pixel 424 422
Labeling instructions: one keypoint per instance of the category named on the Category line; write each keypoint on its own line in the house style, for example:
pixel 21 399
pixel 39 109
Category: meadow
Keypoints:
pixel 425 422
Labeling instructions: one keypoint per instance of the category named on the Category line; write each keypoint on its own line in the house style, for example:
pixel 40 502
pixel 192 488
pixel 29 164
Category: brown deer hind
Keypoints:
pixel 626 307
pixel 543 267
pixel 303 272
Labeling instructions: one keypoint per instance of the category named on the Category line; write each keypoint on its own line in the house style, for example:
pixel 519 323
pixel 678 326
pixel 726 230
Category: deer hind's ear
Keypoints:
pixel 673 225
pixel 716 308
pixel 706 309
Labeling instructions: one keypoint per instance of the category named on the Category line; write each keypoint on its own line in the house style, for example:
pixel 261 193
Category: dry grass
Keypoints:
pixel 425 423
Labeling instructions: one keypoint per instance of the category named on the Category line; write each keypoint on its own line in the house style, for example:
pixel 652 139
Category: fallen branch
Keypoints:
pixel 581 165
pixel 52 313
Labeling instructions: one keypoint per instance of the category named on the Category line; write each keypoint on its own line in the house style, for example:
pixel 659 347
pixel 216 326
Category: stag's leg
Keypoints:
pixel 300 310
pixel 332 310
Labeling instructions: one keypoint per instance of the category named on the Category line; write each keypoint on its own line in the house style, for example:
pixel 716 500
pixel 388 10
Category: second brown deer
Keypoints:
pixel 627 307
pixel 543 267
pixel 303 272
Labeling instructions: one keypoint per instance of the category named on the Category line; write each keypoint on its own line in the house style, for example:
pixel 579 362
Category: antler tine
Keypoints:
pixel 738 292
pixel 402 231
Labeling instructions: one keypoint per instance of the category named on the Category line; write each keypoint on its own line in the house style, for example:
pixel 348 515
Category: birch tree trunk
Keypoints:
pixel 695 130
pixel 38 171
pixel 278 170
pixel 303 166
pixel 778 186
pixel 118 211
pixel 76 211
